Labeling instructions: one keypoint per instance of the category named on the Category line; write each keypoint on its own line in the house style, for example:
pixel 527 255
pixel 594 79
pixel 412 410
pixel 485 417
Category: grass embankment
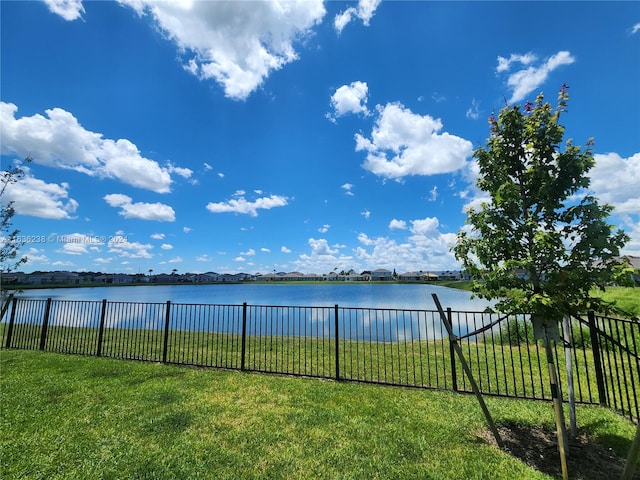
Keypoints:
pixel 626 298
pixel 459 284
pixel 77 417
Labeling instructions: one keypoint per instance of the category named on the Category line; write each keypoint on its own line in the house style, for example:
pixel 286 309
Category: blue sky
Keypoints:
pixel 292 136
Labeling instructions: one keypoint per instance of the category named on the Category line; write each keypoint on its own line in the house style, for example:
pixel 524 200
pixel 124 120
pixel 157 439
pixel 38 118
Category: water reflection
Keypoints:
pixel 365 312
pixel 371 295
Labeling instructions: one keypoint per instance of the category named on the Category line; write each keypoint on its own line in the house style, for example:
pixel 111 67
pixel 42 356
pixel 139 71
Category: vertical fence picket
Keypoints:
pixel 12 320
pixel 452 355
pixel 167 319
pixel 243 350
pixel 6 304
pixel 103 314
pixel 337 339
pixel 45 324
pixel 597 359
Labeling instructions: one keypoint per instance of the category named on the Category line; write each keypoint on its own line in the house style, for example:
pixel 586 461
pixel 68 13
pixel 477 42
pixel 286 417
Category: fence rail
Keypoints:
pixel 374 345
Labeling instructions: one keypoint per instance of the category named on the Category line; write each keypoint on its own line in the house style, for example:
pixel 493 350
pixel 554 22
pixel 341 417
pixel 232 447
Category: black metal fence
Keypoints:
pixel 387 346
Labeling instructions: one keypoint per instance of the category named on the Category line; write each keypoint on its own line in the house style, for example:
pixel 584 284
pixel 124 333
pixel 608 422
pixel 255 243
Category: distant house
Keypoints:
pixel 381 274
pixel 313 277
pixel 207 277
pixel 15 277
pixel 293 276
pixel 231 277
pixel 121 278
pixel 635 264
pixel 410 277
pixel 165 278
pixel 273 277
pixel 354 277
pixel 62 278
pixel 418 277
pixel 449 275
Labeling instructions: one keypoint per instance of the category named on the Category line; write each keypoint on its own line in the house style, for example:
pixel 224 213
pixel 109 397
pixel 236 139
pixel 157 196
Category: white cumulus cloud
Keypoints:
pixel 397 224
pixel 122 247
pixel 473 112
pixel 68 9
pixel 364 11
pixel 242 205
pixel 141 211
pixel 321 247
pixel 425 248
pixel 403 143
pixel 74 249
pixel 504 64
pixel 37 198
pixel 58 140
pixel 237 44
pixel 525 81
pixel 616 180
pixel 183 172
pixel 350 98
pixel 347 187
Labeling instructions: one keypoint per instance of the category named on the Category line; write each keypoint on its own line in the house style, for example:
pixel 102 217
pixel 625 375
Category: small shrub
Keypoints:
pixel 514 332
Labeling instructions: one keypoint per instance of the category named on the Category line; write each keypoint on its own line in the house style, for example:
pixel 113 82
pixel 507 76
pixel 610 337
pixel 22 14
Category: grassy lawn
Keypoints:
pixel 627 298
pixel 83 417
pixel 498 368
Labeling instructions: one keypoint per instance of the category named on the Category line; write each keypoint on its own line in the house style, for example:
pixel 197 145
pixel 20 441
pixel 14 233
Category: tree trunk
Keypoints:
pixel 557 407
pixel 569 362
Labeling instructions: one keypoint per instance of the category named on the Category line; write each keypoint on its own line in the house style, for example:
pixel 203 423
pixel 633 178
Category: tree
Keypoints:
pixel 541 243
pixel 10 241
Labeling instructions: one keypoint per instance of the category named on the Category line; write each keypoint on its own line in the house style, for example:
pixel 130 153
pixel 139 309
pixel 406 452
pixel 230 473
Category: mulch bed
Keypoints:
pixel 538 448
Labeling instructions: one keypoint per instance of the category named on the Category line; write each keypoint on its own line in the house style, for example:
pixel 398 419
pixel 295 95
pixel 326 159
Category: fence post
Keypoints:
pixel 45 324
pixel 166 331
pixel 335 311
pixel 103 313
pixel 6 306
pixel 244 336
pixel 12 319
pixel 452 354
pixel 597 364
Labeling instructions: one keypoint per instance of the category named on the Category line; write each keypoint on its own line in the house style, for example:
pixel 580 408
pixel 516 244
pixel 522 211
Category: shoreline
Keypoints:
pixel 459 284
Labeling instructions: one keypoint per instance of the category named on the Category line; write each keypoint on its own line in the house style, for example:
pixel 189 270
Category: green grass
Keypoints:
pixel 626 298
pixel 459 284
pixel 81 417
pixel 517 369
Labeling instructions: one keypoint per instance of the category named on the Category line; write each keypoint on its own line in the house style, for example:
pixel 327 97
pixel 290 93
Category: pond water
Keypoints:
pixel 367 295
